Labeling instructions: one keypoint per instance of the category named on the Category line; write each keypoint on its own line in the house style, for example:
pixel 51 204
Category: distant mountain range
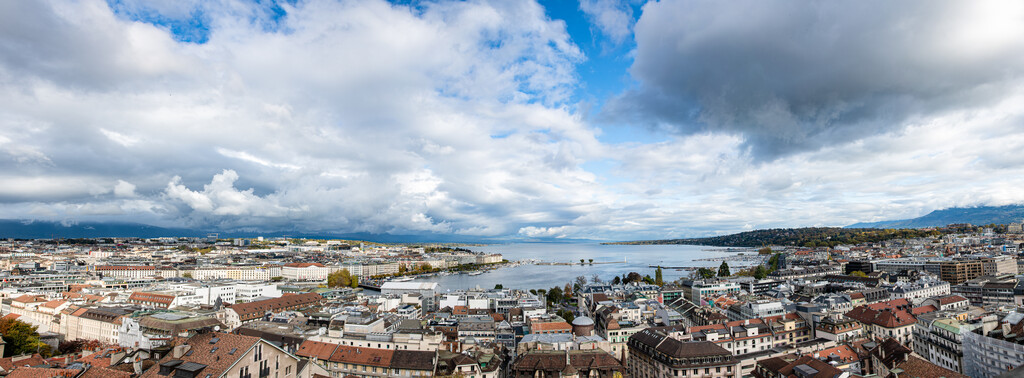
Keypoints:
pixel 981 215
pixel 29 229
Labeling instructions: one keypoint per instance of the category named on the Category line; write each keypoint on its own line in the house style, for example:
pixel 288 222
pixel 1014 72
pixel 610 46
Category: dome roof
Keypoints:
pixel 583 321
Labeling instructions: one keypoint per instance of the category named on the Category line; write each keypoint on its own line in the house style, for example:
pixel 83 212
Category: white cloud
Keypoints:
pixel 613 17
pixel 124 189
pixel 361 115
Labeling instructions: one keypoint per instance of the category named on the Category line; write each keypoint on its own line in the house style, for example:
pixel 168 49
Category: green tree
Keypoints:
pixel 723 270
pixel 616 280
pixel 555 295
pixel 591 261
pixel 402 269
pixel 498 286
pixel 581 261
pixel 21 338
pixel 760 272
pixel 765 251
pixel 705 273
pixel 858 273
pixel 187 275
pixel 341 278
pixel 276 279
pixel 567 315
pixel 632 277
pixel 658 278
pixel 773 262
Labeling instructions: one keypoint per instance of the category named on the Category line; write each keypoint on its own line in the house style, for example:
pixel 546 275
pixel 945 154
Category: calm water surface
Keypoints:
pixel 637 258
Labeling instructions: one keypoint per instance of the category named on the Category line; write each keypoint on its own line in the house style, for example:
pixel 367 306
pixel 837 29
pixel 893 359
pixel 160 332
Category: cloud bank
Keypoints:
pixel 458 117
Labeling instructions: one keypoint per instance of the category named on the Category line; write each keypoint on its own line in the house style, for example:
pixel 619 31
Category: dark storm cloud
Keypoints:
pixel 796 76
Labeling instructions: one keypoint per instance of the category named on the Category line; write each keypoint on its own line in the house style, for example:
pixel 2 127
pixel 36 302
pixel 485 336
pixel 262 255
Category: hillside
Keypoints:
pixel 810 237
pixel 980 215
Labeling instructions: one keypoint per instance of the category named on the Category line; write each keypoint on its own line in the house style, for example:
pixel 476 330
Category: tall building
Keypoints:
pixel 959 271
pixel 938 338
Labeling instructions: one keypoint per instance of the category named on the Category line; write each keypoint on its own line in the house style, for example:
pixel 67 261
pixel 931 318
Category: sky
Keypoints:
pixel 517 120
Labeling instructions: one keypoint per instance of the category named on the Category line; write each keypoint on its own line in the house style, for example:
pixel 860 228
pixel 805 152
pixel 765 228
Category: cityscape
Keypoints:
pixel 511 189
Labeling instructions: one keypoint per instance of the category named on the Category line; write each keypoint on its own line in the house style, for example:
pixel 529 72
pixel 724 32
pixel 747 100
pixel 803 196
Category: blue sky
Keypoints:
pixel 599 119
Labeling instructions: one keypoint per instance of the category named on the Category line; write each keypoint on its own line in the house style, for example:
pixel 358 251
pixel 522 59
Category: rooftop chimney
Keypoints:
pixel 180 350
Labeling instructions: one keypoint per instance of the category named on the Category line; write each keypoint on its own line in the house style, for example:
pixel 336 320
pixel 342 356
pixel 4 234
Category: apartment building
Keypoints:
pixel 938 338
pixel 698 291
pixel 345 360
pixel 887 319
pixel 118 271
pixel 960 271
pixel 655 354
pixel 217 354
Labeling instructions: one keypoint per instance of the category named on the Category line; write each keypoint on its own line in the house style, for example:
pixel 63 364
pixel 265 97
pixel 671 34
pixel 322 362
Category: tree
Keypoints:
pixel 555 295
pixel 567 291
pixel 581 261
pixel 648 280
pixel 723 270
pixel 773 262
pixel 21 338
pixel 632 277
pixel 276 279
pixel 658 278
pixel 499 286
pixel 705 273
pixel 760 272
pixel 187 275
pixel 858 273
pixel 616 280
pixel 765 251
pixel 341 278
pixel 595 278
pixel 402 269
pixel 591 261
pixel 567 315
pixel 581 280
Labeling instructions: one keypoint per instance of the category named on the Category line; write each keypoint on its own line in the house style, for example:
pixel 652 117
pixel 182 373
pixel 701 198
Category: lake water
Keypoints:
pixel 637 258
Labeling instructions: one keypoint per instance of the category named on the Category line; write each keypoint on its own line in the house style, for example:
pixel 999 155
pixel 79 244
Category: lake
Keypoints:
pixel 637 258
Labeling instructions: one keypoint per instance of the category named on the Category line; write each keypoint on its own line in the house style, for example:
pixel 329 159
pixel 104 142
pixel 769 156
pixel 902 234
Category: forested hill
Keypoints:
pixel 808 237
pixel 973 215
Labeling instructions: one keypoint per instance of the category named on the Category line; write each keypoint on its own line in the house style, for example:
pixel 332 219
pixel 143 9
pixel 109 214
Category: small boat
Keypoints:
pixel 477 273
pixel 402 279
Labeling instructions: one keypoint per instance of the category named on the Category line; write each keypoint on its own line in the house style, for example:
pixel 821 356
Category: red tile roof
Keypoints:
pixel 951 299
pixel 124 267
pixel 217 357
pixel 30 372
pixel 316 349
pixel 141 296
pixel 890 314
pixel 915 367
pixel 9 364
pixel 550 327
pixel 256 309
pixel 28 298
pixel 843 352
pixel 362 356
pixel 303 265
pixel 923 309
